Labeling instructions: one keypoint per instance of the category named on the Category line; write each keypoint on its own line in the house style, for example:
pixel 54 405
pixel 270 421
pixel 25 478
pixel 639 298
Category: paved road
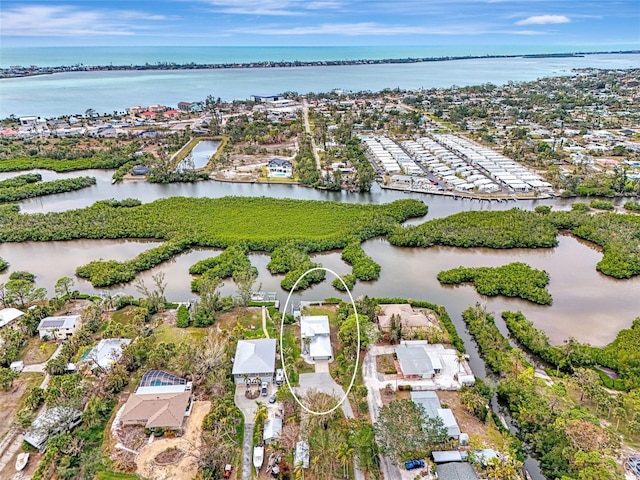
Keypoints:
pixel 369 375
pixel 12 441
pixel 247 451
pixel 307 126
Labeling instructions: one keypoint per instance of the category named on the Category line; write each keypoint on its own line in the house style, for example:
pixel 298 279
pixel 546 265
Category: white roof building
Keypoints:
pixel 255 359
pixel 316 329
pixel 272 429
pixel 59 327
pixel 8 315
pixel 106 352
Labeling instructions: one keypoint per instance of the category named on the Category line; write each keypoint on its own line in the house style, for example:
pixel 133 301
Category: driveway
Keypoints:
pixel 248 409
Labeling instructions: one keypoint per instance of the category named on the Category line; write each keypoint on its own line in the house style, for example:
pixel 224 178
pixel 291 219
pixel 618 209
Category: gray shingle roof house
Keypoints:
pixel 277 167
pixel 432 407
pixel 416 362
pixel 456 471
pixel 254 359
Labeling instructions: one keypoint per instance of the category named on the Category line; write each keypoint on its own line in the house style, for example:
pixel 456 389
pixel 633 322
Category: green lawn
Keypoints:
pixel 116 476
pixel 171 334
pixel 37 351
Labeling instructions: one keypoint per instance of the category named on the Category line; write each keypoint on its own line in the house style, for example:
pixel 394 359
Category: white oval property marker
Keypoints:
pixel 284 368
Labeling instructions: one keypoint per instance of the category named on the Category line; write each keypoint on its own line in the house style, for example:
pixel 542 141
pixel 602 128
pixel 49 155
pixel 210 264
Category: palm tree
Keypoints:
pixel 261 414
pixel 459 359
pixel 345 455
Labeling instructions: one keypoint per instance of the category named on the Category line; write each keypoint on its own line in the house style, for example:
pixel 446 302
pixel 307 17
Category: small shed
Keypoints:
pixel 301 457
pixel 272 429
pixel 446 456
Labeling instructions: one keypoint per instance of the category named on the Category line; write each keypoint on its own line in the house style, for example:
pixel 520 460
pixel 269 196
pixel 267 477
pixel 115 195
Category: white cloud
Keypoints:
pixel 280 8
pixel 40 20
pixel 543 20
pixel 364 29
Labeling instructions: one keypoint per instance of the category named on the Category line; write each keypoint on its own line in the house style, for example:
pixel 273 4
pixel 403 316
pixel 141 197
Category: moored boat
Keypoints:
pixel 258 456
pixel 22 460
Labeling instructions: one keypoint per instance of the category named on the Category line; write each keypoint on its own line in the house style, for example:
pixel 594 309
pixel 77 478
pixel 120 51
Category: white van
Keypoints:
pixel 279 376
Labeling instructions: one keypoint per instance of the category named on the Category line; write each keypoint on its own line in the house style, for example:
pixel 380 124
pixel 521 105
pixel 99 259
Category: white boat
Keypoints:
pixel 258 456
pixel 22 460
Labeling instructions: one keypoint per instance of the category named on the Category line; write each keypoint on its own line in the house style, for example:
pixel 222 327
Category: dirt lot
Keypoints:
pixel 486 433
pixel 245 161
pixel 10 402
pixel 187 467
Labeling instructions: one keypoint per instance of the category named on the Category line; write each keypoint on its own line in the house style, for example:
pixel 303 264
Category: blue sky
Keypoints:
pixel 319 22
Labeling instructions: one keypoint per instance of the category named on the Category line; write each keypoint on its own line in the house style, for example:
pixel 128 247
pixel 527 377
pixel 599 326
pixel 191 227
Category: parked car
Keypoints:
pixel 227 470
pixel 272 398
pixel 264 389
pixel 411 464
pixel 279 376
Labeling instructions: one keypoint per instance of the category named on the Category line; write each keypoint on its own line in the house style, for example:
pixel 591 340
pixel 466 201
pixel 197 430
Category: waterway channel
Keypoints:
pixel 586 304
pixel 199 156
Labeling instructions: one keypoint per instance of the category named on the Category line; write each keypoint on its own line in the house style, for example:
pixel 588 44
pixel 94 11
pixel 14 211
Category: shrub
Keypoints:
pixel 632 206
pixel 183 317
pixel 601 204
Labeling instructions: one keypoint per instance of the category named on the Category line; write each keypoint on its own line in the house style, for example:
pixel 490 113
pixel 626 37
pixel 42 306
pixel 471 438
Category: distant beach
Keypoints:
pixel 26 71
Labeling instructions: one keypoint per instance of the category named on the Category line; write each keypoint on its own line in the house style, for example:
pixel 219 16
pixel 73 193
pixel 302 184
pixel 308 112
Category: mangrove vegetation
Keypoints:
pixel 30 186
pixel 567 436
pixel 182 223
pixel 513 280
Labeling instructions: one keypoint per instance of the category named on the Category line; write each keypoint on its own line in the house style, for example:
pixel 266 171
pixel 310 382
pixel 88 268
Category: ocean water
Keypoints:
pixel 114 91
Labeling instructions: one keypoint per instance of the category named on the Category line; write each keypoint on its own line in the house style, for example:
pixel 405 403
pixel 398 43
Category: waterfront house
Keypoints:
pixel 255 361
pixel 316 337
pixel 279 168
pixel 162 400
pixel 61 327
pixel 410 319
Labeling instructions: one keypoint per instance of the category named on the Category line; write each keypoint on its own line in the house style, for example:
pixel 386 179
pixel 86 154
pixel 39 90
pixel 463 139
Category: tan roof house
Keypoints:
pixel 409 318
pixel 162 400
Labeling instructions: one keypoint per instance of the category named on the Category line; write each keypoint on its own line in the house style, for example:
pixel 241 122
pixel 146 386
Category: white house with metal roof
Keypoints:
pixel 59 327
pixel 106 352
pixel 316 337
pixel 254 359
pixel 431 403
pixel 8 315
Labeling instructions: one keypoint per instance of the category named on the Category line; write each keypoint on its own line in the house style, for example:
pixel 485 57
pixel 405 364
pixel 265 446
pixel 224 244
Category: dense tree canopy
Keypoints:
pixel 512 280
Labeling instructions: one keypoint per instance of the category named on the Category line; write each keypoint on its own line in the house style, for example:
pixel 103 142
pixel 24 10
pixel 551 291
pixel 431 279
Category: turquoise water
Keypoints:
pixel 108 91
pixel 56 56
